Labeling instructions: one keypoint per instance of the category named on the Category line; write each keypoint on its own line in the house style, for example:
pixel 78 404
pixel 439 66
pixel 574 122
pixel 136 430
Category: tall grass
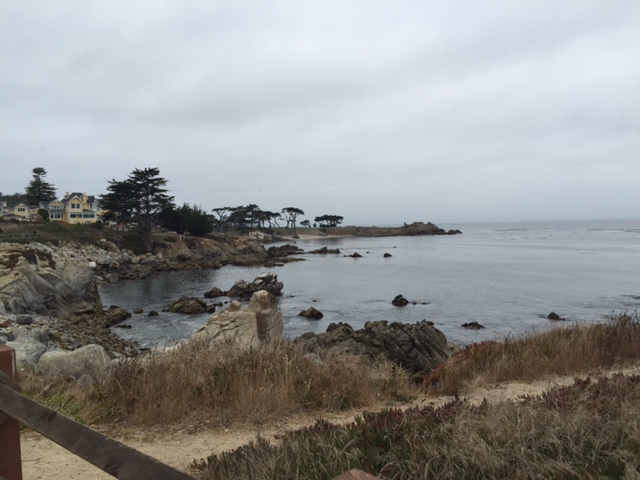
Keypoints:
pixel 561 351
pixel 588 430
pixel 202 383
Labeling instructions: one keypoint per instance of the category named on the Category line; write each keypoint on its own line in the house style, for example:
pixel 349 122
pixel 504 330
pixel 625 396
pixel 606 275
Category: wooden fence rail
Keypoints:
pixel 109 455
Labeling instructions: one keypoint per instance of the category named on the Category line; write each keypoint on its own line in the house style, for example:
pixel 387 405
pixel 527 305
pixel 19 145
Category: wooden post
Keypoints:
pixel 10 458
pixel 111 456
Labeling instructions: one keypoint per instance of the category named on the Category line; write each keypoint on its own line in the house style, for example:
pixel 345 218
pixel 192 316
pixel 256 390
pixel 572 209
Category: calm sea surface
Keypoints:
pixel 506 276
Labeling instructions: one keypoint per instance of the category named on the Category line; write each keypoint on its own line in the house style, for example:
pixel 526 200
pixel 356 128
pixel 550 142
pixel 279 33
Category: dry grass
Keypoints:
pixel 200 383
pixel 588 430
pixel 563 351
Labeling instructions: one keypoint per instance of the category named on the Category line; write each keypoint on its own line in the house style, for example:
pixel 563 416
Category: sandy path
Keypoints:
pixel 43 459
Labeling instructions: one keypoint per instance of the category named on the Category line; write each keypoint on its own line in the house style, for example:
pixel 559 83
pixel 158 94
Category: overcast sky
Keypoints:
pixel 380 111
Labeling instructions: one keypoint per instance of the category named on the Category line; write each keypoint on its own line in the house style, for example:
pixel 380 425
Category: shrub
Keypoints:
pixel 588 430
pixel 222 384
pixel 561 351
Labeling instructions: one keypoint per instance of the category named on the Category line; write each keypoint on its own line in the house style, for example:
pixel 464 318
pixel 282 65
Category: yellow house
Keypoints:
pixel 56 210
pixel 21 211
pixel 78 208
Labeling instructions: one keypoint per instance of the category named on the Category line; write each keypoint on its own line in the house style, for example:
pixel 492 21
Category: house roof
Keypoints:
pixel 19 204
pixel 80 196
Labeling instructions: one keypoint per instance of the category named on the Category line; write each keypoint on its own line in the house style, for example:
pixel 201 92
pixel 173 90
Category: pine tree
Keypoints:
pixel 140 198
pixel 38 190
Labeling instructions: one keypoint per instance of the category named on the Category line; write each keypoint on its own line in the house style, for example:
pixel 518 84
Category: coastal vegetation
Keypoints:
pixel 140 199
pixel 584 430
pixel 587 430
pixel 39 190
pixel 571 350
pixel 200 384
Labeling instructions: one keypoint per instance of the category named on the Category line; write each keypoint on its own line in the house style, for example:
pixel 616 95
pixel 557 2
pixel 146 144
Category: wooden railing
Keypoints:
pixel 109 455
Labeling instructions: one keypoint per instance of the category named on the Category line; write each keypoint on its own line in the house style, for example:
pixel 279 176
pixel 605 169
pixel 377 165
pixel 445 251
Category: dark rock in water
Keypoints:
pixel 555 317
pixel 311 313
pixel 325 251
pixel 188 305
pixel 454 232
pixel 284 251
pixel 387 255
pixel 138 310
pixel 214 292
pixel 417 347
pixel 115 315
pixel 152 313
pixel 265 281
pixel 400 301
pixel 125 326
pixel 354 255
pixel 472 325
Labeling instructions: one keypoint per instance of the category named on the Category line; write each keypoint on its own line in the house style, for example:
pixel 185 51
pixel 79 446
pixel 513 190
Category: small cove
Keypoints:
pixel 505 276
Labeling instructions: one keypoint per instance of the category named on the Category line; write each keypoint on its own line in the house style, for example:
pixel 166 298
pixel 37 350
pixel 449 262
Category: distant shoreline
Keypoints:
pixel 413 229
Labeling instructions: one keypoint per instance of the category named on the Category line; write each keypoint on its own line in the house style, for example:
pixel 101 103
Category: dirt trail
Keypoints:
pixel 43 459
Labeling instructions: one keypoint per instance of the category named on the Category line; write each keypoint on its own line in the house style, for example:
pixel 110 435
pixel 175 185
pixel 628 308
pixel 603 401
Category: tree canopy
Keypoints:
pixel 245 216
pixel 140 198
pixel 290 214
pixel 329 220
pixel 187 219
pixel 38 190
pixel 12 199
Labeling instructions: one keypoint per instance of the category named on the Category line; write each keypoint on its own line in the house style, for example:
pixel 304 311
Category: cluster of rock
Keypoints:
pixel 191 305
pixel 50 309
pixel 243 289
pixel 175 252
pixel 55 292
pixel 46 345
pixel 284 251
pixel 417 347
pixel 261 321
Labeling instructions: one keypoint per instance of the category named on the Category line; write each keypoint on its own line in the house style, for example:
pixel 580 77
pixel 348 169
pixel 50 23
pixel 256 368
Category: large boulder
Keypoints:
pixel 89 360
pixel 417 347
pixel 28 350
pixel 214 292
pixel 265 281
pixel 35 279
pixel 115 315
pixel 311 313
pixel 400 301
pixel 284 251
pixel 325 251
pixel 190 305
pixel 261 321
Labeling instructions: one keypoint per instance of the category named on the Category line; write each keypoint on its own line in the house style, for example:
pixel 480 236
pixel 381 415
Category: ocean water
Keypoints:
pixel 505 276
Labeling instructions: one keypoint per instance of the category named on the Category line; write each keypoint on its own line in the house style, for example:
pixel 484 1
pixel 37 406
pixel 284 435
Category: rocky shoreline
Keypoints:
pixel 49 294
pixel 49 298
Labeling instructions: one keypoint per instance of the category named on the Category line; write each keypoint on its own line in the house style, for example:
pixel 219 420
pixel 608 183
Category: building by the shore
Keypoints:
pixel 73 208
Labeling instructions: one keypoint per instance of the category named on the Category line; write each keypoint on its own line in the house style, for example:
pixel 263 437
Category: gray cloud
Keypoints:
pixel 379 111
